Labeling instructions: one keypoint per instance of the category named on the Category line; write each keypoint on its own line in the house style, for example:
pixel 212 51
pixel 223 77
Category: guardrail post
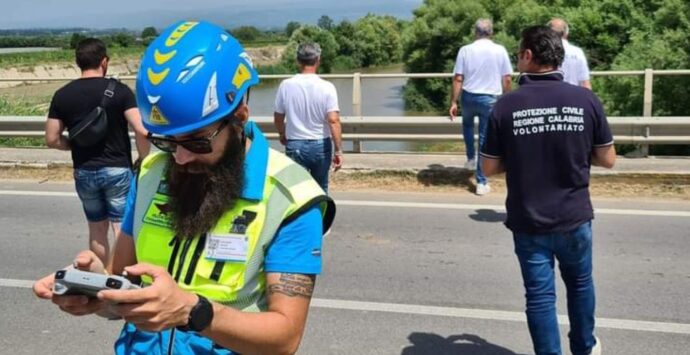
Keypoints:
pixel 647 106
pixel 357 106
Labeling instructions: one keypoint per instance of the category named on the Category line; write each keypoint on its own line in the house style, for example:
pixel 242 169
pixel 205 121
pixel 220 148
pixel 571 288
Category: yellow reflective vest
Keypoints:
pixel 289 190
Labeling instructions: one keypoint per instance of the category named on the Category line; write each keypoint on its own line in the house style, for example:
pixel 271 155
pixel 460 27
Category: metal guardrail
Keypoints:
pixel 629 130
pixel 642 130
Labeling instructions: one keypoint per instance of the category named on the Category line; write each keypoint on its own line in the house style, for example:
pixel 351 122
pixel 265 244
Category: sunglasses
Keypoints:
pixel 200 145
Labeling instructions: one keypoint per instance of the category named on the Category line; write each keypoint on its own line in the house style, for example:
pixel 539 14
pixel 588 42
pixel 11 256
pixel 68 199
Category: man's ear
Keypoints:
pixel 528 55
pixel 242 113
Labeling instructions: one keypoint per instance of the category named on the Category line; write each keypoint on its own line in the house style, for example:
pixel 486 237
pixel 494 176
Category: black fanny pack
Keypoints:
pixel 91 129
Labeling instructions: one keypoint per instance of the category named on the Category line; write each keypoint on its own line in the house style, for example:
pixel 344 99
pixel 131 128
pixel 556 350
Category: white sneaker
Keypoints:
pixel 596 350
pixel 471 164
pixel 482 189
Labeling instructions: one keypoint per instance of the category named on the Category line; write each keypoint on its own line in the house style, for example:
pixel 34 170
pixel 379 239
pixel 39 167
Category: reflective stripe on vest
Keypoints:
pixel 288 190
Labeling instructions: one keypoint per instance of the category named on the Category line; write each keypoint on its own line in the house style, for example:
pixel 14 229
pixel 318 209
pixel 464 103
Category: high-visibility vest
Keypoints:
pixel 289 190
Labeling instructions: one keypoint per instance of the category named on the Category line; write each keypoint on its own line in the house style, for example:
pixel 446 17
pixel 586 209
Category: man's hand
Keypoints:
pixel 283 139
pixel 337 161
pixel 75 305
pixel 453 111
pixel 162 305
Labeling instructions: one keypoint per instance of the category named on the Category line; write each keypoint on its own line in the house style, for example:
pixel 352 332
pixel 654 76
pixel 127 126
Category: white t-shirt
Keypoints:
pixel 574 67
pixel 306 100
pixel 483 64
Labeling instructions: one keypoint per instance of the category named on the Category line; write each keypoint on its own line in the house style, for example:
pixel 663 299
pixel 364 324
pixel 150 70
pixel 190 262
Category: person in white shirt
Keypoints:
pixel 482 73
pixel 307 117
pixel 574 67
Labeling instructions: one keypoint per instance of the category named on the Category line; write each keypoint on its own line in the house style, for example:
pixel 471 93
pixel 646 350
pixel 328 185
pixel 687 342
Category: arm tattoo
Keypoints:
pixel 294 285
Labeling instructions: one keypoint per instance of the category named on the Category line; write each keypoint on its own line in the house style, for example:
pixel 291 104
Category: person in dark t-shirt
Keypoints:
pixel 545 136
pixel 102 171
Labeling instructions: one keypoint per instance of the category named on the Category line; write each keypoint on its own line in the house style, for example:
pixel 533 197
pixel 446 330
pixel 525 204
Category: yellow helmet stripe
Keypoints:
pixel 179 32
pixel 156 78
pixel 162 58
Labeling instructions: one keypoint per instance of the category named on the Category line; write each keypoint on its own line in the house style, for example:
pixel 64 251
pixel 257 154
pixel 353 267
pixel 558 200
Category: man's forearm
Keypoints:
pixel 61 143
pixel 143 145
pixel 457 88
pixel 251 333
pixel 280 125
pixel 507 84
pixel 337 136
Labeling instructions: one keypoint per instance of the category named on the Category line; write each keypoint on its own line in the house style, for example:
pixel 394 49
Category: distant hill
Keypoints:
pixel 260 14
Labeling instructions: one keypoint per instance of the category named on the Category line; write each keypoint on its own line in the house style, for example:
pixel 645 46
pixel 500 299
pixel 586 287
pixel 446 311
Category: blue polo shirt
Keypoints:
pixel 296 248
pixel 544 133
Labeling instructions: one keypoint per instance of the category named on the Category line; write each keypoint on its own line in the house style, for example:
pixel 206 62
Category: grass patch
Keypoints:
pixel 442 147
pixel 20 108
pixel 456 180
pixel 15 107
pixel 22 142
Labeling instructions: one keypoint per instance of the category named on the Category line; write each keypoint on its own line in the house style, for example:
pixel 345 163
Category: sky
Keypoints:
pixel 136 14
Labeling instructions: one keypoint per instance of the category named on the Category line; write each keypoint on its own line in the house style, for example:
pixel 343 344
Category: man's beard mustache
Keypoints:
pixel 200 194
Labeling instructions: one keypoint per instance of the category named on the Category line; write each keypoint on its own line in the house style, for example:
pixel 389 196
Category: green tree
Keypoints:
pixel 122 39
pixel 75 39
pixel 149 32
pixel 246 33
pixel 431 43
pixel 291 27
pixel 325 22
pixel 377 40
pixel 348 53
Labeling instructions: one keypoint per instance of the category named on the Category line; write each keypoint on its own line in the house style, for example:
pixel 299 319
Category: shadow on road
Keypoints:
pixel 486 215
pixel 464 344
pixel 440 175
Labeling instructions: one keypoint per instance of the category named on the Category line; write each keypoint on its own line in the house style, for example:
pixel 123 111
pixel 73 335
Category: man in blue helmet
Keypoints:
pixel 223 232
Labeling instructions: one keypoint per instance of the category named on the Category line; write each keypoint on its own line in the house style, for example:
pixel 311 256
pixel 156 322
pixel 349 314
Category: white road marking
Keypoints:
pixel 486 314
pixel 38 193
pixel 425 205
pixel 16 283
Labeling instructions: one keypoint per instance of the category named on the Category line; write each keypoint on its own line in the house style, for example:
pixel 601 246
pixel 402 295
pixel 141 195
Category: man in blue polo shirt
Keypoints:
pixel 224 232
pixel 545 136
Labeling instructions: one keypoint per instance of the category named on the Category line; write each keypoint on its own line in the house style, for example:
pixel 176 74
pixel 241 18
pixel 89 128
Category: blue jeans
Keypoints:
pixel 315 155
pixel 479 105
pixel 103 192
pixel 573 250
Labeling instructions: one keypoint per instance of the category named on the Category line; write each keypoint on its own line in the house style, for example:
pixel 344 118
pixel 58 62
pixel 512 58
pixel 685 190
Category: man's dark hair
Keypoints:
pixel 546 45
pixel 89 53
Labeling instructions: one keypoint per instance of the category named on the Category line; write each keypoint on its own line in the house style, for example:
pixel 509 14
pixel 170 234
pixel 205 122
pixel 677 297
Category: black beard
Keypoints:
pixel 200 194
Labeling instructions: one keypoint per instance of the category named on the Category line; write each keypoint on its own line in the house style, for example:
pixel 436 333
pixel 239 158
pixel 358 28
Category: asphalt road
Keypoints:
pixel 403 274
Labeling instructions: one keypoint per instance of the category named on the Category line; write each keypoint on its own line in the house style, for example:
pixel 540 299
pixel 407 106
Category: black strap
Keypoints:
pixel 109 92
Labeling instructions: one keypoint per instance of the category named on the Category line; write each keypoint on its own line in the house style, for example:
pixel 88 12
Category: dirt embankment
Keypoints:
pixel 261 56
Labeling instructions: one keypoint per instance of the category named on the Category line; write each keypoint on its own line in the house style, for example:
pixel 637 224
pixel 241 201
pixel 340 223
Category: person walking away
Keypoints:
pixel 575 69
pixel 482 73
pixel 102 171
pixel 545 136
pixel 307 117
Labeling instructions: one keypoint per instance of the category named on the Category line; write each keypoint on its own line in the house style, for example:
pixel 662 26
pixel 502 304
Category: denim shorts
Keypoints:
pixel 103 192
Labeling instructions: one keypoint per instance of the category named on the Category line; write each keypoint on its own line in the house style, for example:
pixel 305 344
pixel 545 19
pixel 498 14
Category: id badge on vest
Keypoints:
pixel 227 247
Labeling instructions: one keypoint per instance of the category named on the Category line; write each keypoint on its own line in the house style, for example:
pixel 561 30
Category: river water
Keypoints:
pixel 380 97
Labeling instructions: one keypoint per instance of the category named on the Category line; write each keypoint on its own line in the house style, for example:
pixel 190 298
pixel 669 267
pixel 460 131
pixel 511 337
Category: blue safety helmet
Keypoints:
pixel 193 74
